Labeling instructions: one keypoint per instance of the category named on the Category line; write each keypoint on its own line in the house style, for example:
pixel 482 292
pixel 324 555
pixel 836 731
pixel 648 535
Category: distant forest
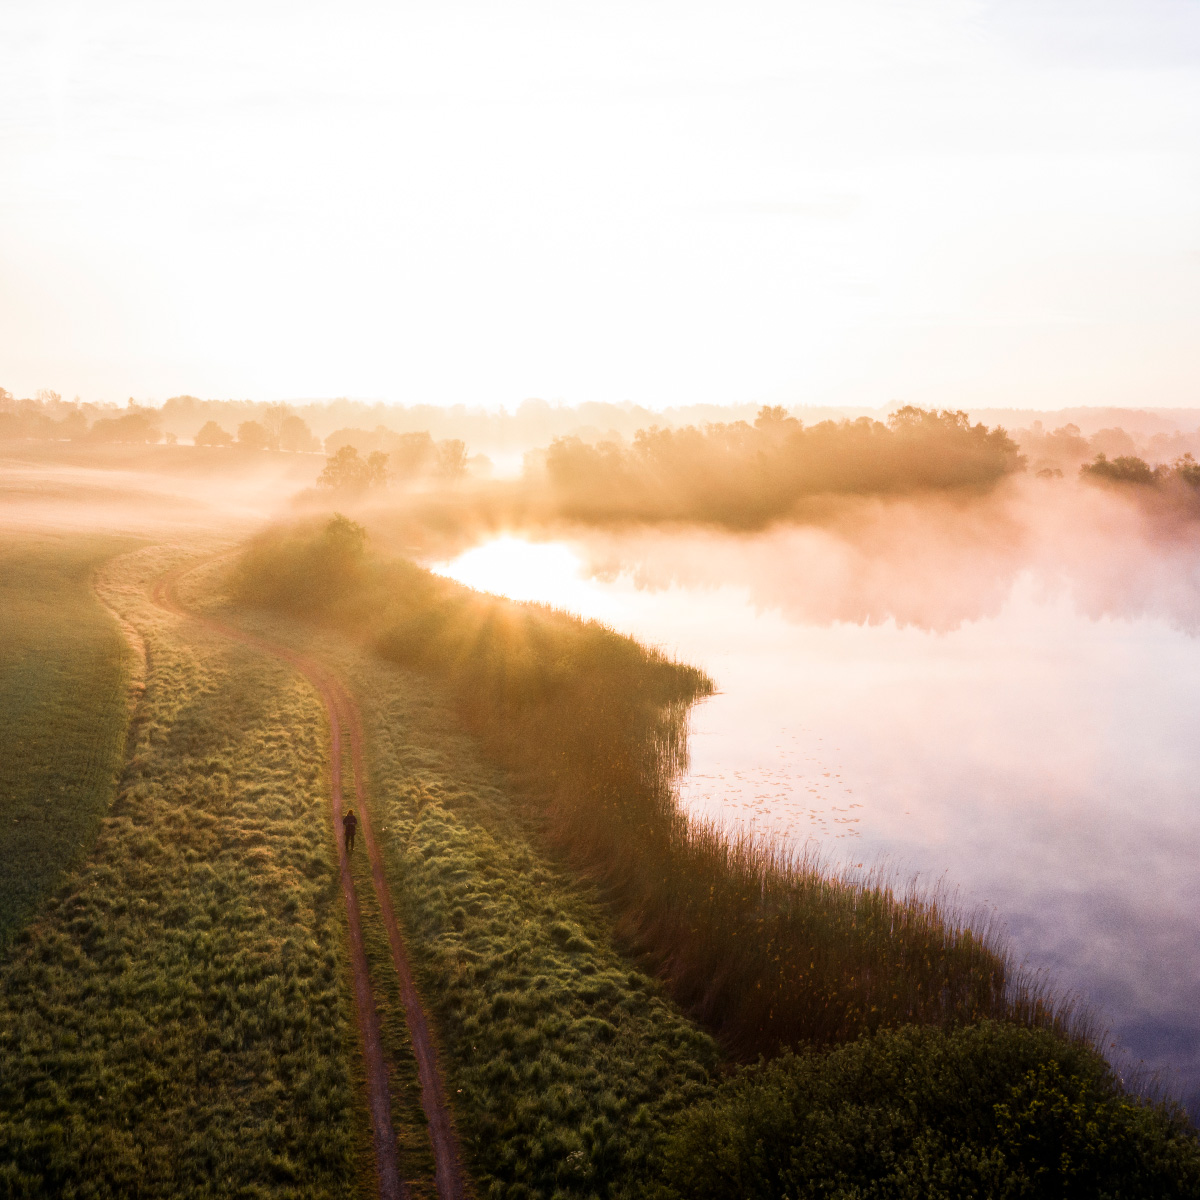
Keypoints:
pixel 599 462
pixel 742 474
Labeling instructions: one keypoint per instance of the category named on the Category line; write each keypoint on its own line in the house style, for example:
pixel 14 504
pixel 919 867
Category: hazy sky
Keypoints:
pixel 848 201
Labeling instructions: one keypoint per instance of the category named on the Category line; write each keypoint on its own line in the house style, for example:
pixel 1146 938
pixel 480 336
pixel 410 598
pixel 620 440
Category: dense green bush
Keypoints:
pixel 990 1110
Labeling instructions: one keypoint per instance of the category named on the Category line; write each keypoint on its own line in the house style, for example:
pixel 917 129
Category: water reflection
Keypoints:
pixel 1003 696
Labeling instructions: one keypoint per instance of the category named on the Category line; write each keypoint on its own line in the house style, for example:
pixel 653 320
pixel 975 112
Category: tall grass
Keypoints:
pixel 768 949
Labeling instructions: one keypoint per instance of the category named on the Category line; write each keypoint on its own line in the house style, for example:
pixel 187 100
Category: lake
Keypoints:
pixel 1001 702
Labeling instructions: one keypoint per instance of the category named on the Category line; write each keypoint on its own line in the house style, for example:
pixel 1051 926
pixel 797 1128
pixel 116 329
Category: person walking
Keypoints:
pixel 349 825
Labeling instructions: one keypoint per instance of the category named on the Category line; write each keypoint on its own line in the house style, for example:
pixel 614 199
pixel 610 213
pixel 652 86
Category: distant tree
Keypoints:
pixel 377 469
pixel 1126 468
pixel 253 436
pixel 295 435
pixel 412 454
pixel 360 439
pixel 451 459
pixel 73 425
pixel 346 471
pixel 775 421
pixel 211 434
pixel 137 426
pixel 1115 442
pixel 911 419
pixel 1187 470
pixel 273 417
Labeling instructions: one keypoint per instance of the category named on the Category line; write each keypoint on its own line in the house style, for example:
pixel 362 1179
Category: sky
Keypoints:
pixel 858 202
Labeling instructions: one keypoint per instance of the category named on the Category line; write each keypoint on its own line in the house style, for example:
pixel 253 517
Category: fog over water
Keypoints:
pixel 999 695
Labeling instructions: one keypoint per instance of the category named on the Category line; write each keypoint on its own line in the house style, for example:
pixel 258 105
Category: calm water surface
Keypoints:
pixel 1027 735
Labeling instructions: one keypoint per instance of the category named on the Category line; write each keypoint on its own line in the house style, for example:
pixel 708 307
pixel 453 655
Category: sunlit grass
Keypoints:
pixel 176 1019
pixel 564 1063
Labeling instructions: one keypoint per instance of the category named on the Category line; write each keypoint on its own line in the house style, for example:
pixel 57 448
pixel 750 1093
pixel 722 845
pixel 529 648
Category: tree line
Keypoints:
pixel 739 474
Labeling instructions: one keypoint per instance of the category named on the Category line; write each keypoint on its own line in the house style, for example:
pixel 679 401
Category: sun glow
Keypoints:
pixel 548 572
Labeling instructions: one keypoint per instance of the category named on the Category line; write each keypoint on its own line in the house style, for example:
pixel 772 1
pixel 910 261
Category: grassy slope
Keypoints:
pixel 565 1065
pixel 63 714
pixel 177 1020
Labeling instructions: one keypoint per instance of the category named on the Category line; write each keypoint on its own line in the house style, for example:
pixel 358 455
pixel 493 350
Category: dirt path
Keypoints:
pixel 433 1097
pixel 342 711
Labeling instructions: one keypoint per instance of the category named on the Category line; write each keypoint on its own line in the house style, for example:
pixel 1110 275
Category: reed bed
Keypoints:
pixel 768 947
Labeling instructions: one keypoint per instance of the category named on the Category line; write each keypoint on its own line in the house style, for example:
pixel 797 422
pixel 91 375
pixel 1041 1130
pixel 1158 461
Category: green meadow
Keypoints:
pixel 176 1009
pixel 176 1020
pixel 64 673
pixel 565 1063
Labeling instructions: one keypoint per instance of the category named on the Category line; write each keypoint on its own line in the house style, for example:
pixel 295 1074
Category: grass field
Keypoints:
pixel 177 1019
pixel 63 712
pixel 565 1064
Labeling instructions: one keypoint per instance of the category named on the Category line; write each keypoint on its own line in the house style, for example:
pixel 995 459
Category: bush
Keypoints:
pixel 304 569
pixel 990 1110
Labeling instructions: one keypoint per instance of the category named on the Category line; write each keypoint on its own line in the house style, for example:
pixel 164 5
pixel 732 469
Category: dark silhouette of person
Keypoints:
pixel 349 825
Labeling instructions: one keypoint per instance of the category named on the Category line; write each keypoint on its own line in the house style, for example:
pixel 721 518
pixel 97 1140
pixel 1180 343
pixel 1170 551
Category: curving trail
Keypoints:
pixel 342 712
pixel 448 1165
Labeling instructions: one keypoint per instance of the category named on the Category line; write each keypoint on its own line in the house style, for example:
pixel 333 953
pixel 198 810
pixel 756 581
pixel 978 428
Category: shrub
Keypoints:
pixel 990 1110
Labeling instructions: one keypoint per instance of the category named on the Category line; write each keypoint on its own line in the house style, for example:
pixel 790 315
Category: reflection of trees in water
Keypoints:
pixel 934 563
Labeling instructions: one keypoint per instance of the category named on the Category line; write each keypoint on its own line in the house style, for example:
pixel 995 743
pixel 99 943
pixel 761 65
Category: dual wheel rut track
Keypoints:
pixel 345 723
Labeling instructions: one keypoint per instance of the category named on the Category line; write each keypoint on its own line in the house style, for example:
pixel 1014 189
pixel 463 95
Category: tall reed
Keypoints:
pixel 765 945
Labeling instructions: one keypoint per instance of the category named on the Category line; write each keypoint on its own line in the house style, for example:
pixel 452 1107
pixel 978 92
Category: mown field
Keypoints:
pixel 63 712
pixel 177 1020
